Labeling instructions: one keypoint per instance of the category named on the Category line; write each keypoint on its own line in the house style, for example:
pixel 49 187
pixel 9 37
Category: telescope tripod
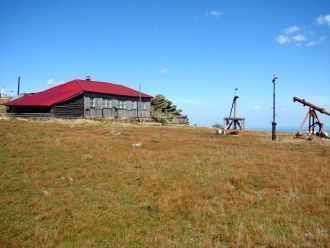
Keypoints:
pixel 313 123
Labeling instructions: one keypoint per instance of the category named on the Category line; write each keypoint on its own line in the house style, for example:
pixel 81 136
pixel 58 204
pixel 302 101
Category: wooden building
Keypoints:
pixel 83 99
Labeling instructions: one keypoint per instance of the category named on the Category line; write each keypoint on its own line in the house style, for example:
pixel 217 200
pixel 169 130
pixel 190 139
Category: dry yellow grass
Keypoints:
pixel 82 183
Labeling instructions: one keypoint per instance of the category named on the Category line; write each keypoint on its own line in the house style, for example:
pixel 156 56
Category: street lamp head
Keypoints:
pixel 274 78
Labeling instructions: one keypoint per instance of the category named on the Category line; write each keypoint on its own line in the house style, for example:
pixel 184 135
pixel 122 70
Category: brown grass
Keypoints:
pixel 82 183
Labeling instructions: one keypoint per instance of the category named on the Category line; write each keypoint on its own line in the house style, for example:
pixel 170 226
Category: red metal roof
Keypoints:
pixel 73 88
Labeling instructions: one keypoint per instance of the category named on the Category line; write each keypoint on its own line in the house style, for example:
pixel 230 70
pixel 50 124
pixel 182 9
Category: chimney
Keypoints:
pixel 88 78
pixel 18 85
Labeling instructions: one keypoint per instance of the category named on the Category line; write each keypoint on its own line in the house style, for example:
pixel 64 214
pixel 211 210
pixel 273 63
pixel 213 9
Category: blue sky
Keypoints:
pixel 194 52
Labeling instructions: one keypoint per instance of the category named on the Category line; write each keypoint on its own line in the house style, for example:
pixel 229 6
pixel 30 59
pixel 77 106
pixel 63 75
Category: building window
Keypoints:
pixel 106 103
pixel 144 105
pixel 92 102
pixel 122 105
pixel 134 104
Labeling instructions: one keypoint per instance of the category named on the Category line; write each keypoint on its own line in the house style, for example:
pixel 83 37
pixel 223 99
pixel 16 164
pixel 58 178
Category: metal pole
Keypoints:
pixel 18 86
pixel 235 121
pixel 235 104
pixel 140 107
pixel 274 123
pixel 233 108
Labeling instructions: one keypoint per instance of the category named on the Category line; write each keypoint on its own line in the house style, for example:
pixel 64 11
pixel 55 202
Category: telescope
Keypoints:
pixel 313 119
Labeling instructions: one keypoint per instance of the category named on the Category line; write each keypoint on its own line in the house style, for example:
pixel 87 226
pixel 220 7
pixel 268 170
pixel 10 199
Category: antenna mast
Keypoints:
pixel 140 104
pixel 18 85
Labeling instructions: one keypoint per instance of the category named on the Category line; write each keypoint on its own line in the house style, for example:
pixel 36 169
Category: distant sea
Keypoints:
pixel 281 130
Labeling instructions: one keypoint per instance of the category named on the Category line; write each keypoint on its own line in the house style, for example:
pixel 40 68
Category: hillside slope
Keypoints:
pixel 85 184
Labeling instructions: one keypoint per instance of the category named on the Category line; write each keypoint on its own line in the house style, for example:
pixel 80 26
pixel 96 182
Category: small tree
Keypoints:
pixel 163 110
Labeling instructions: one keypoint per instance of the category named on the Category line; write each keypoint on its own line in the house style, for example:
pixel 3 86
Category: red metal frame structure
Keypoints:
pixel 313 119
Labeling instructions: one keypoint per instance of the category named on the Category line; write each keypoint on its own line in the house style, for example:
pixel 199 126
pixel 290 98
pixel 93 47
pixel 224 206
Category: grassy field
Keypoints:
pixel 83 184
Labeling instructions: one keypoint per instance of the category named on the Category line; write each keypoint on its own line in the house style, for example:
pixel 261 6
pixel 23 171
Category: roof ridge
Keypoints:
pixel 77 81
pixel 104 82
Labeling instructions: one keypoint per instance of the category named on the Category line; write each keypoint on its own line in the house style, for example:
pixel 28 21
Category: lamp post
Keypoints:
pixel 140 104
pixel 274 123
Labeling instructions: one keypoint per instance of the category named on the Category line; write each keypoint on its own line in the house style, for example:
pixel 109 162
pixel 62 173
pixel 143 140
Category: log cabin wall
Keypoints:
pixel 69 109
pixel 28 111
pixel 104 106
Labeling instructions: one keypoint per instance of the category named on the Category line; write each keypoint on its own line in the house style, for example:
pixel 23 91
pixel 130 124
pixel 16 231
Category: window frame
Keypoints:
pixel 120 104
pixel 92 102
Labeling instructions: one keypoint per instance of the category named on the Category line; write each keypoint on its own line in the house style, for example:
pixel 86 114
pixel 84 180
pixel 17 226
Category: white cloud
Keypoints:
pixel 312 43
pixel 164 71
pixel 282 39
pixel 286 35
pixel 316 42
pixel 299 37
pixel 257 107
pixel 323 20
pixel 291 29
pixel 214 13
pixel 51 82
